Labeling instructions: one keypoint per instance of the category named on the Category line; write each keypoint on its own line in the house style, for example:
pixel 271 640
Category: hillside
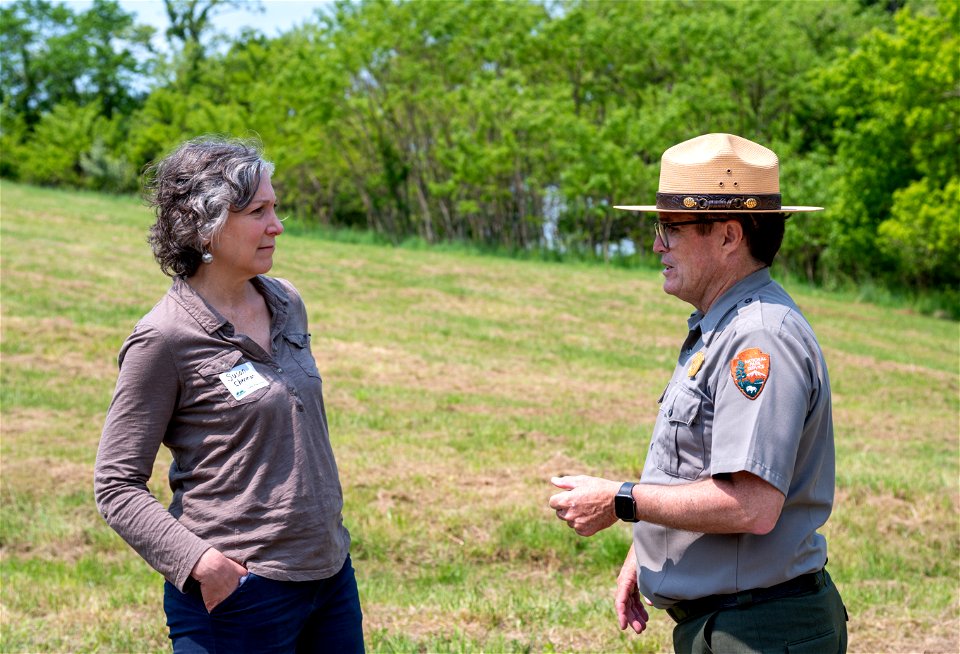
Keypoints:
pixel 456 386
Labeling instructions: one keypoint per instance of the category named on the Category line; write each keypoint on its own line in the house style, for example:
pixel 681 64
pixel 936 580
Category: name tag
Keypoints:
pixel 243 380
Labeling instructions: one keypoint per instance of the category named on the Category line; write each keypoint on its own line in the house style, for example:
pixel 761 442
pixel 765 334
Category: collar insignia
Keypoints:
pixel 750 370
pixel 695 364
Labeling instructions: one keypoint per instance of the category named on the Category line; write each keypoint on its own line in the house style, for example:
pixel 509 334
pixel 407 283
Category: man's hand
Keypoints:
pixel 218 577
pixel 587 503
pixel 628 601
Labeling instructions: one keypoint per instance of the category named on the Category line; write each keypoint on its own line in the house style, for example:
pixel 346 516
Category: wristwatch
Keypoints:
pixel 624 505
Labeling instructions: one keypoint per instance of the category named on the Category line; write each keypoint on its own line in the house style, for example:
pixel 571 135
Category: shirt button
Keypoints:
pixel 280 370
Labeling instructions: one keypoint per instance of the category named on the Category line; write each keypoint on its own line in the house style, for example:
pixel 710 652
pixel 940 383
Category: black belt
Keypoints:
pixel 687 609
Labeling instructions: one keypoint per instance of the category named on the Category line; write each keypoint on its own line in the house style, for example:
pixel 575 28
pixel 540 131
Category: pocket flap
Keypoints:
pixel 682 407
pixel 220 363
pixel 300 340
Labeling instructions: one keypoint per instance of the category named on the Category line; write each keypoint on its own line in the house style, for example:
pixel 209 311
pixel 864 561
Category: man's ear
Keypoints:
pixel 732 232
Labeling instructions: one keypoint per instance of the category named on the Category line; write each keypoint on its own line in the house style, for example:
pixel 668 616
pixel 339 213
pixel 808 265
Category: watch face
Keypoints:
pixel 624 505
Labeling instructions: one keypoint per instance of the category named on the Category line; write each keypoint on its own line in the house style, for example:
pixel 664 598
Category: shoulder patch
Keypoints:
pixel 750 370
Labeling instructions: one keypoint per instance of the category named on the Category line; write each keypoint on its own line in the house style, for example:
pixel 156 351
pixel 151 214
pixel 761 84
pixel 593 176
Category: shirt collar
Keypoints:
pixel 212 320
pixel 727 302
pixel 277 301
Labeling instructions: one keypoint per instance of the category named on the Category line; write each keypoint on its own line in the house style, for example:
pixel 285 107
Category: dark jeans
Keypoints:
pixel 814 623
pixel 264 615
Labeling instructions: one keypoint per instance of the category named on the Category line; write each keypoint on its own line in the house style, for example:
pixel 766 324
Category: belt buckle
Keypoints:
pixel 744 599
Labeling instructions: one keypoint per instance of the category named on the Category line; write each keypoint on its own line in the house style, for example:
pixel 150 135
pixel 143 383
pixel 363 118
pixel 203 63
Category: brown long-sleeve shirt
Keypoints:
pixel 253 473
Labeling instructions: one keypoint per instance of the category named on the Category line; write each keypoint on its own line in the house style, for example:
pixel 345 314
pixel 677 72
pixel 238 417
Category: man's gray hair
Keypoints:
pixel 192 190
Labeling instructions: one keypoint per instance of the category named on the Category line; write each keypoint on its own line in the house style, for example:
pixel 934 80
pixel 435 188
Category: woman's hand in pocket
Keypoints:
pixel 218 577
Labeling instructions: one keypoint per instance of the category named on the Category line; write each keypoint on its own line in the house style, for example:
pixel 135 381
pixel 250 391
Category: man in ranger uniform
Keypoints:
pixel 740 471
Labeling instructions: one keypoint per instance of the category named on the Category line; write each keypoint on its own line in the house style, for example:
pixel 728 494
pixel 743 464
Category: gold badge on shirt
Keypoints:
pixel 695 364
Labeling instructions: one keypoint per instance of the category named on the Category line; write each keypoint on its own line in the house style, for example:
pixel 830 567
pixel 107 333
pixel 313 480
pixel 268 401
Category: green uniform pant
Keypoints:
pixel 815 623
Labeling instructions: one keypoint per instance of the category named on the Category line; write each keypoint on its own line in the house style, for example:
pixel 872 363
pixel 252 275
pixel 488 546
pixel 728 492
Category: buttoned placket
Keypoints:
pixel 688 346
pixel 254 351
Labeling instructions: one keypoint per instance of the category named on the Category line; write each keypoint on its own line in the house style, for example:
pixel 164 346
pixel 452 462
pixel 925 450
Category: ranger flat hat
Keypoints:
pixel 719 172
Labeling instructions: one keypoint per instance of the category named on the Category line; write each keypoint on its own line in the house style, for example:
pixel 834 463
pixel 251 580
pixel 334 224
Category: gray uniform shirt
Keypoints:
pixel 750 393
pixel 253 473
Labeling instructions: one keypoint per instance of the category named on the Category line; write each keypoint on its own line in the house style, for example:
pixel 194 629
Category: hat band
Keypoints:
pixel 725 202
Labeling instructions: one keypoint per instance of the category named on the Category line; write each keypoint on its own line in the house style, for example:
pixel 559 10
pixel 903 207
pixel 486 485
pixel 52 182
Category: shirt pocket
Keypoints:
pixel 300 350
pixel 214 387
pixel 679 446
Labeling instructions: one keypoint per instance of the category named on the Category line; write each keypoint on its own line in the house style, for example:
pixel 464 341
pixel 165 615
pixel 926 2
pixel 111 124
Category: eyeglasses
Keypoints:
pixel 663 229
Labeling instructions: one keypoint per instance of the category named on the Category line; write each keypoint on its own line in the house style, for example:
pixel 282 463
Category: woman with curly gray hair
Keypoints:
pixel 220 371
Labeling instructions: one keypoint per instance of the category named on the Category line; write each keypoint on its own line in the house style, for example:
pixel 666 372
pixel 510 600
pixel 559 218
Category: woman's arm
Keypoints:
pixel 143 403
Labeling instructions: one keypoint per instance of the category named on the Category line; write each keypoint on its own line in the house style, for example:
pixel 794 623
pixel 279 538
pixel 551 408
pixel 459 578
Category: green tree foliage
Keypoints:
pixel 896 101
pixel 190 23
pixel 67 81
pixel 923 233
pixel 520 123
pixel 57 143
pixel 49 55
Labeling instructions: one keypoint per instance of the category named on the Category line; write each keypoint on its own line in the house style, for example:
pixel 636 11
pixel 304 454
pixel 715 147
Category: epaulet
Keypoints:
pixel 750 312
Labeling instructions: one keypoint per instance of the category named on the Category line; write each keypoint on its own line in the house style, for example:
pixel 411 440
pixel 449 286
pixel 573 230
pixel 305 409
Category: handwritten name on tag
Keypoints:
pixel 243 380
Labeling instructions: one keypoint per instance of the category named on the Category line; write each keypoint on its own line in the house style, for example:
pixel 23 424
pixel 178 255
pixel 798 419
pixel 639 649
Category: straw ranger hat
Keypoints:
pixel 719 172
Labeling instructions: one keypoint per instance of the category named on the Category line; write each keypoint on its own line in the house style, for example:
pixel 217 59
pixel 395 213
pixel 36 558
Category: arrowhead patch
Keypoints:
pixel 750 370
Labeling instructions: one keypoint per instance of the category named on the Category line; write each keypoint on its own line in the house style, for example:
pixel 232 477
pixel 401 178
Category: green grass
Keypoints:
pixel 457 384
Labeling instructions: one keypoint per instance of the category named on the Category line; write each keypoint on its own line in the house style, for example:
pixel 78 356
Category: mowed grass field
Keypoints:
pixel 456 386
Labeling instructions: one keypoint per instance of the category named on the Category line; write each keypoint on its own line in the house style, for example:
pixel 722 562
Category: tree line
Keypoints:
pixel 520 123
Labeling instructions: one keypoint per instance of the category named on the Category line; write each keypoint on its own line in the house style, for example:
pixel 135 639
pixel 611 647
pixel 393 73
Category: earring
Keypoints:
pixel 207 257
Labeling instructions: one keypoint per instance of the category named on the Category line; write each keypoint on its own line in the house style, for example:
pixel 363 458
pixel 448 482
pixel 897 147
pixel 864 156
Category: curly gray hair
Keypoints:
pixel 192 189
